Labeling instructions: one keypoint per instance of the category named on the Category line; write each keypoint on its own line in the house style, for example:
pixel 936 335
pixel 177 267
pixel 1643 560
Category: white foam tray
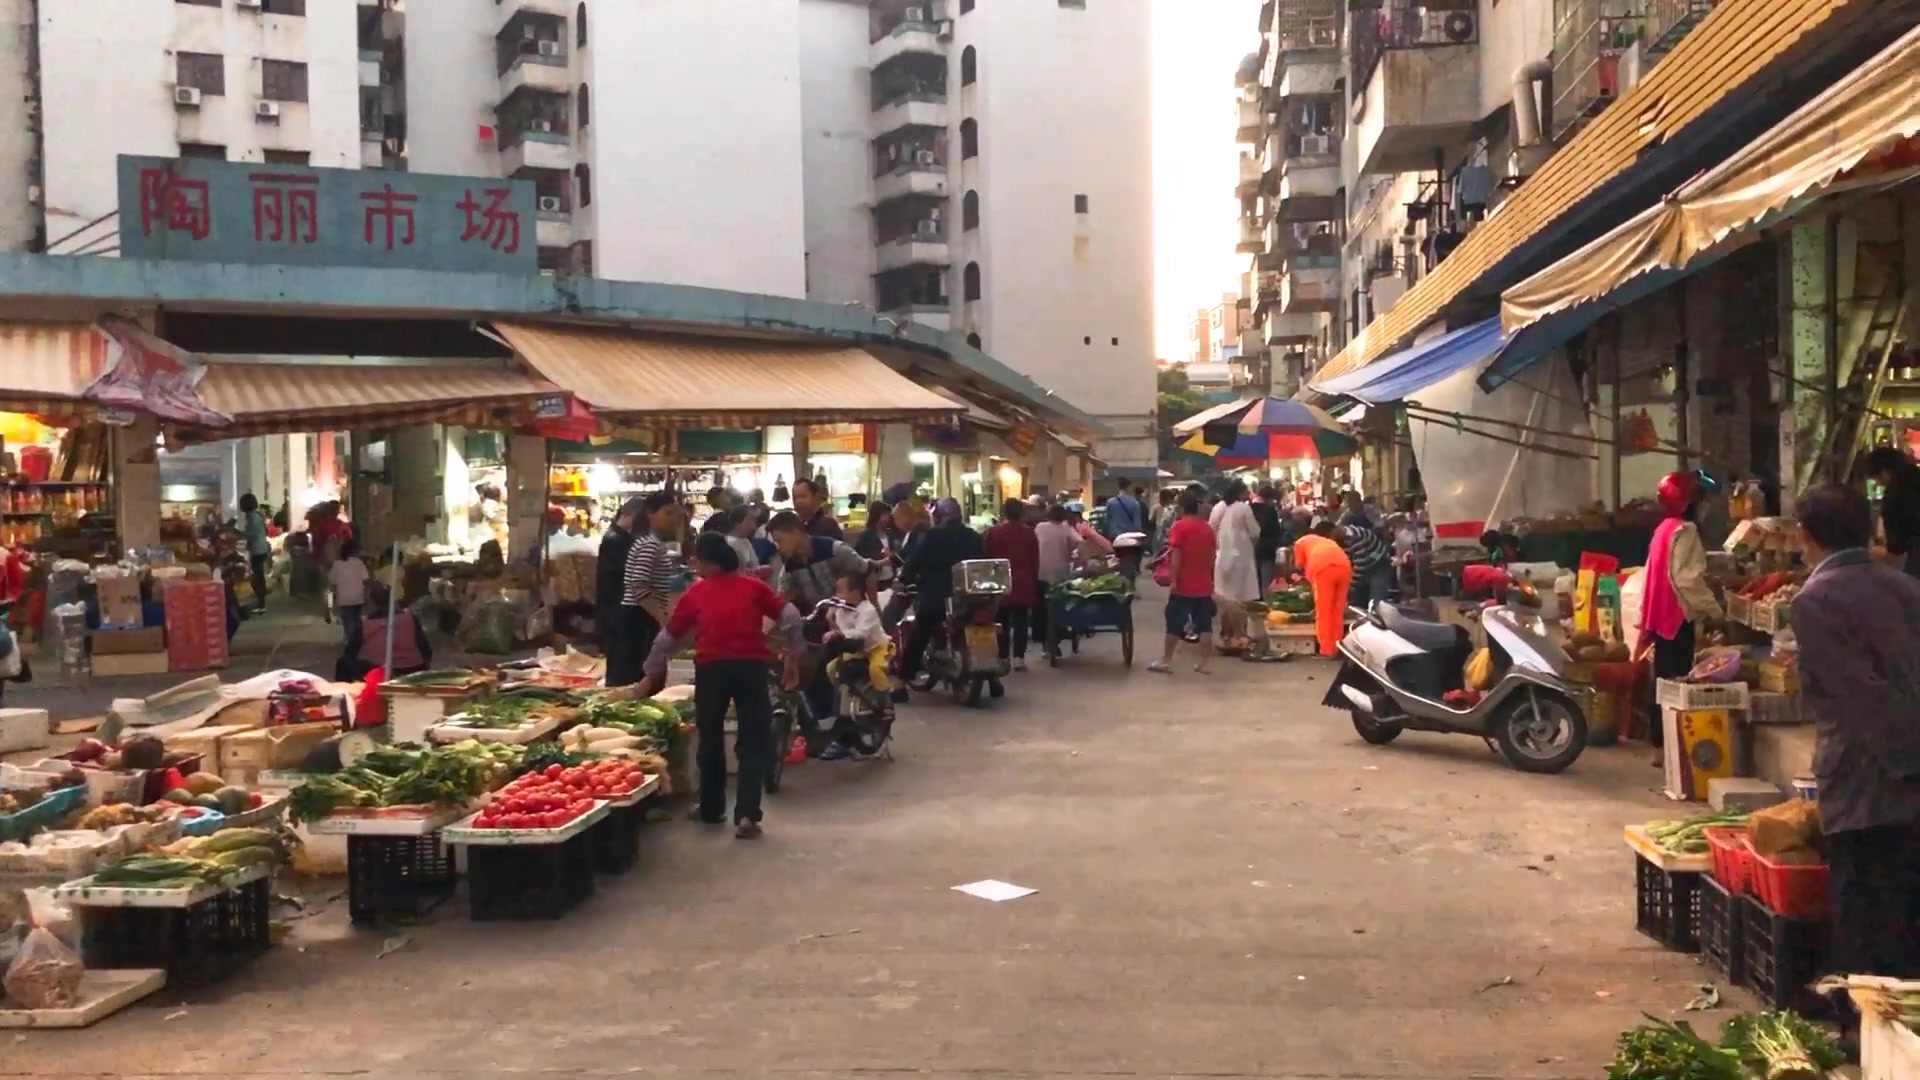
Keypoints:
pixel 647 787
pixel 84 893
pixel 453 731
pixel 102 993
pixel 388 826
pixel 465 833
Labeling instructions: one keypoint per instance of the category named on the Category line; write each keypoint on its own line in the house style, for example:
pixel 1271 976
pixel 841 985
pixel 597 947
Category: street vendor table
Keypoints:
pixel 195 935
pixel 397 864
pixel 1078 616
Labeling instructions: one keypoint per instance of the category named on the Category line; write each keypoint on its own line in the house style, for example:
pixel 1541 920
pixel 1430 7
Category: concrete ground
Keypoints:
pixel 1230 885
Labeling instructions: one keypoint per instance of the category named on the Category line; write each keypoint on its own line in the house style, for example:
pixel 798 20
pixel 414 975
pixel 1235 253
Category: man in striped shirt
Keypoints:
pixel 1372 563
pixel 646 588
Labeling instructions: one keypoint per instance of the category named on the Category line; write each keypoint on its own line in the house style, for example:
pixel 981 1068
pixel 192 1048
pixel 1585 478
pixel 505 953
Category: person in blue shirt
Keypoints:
pixel 1125 515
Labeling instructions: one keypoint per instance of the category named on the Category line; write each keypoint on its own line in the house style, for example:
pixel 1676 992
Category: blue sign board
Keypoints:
pixel 201 210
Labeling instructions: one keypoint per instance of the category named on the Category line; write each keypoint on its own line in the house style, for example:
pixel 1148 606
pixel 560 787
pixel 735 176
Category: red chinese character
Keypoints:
pixel 494 223
pixel 390 205
pixel 174 203
pixel 288 211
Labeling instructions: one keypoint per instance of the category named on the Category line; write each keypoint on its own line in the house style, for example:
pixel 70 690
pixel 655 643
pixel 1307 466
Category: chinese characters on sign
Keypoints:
pixel 242 212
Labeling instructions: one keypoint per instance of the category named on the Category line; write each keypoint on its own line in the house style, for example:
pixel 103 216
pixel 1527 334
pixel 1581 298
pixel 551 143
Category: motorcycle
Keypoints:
pixel 963 651
pixel 1397 670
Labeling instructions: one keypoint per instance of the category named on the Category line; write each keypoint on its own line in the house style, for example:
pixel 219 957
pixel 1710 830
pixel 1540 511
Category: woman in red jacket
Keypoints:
pixel 1015 541
pixel 725 612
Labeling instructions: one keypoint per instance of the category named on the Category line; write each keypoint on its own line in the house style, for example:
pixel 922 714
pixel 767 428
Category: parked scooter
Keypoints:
pixel 964 651
pixel 1396 669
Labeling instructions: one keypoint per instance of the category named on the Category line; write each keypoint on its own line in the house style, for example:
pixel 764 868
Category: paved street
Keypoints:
pixel 1230 885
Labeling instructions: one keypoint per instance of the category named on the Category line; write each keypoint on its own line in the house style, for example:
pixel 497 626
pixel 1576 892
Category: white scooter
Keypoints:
pixel 1396 670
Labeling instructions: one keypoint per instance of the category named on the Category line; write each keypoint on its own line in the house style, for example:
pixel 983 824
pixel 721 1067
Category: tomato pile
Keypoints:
pixel 558 794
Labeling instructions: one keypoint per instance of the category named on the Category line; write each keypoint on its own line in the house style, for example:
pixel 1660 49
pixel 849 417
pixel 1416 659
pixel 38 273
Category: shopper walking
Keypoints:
pixel 929 572
pixel 810 502
pixel 253 525
pixel 1057 541
pixel 1858 625
pixel 646 587
pixel 1324 562
pixel 348 579
pixel 1677 595
pixel 1125 514
pixel 1237 533
pixel 724 612
pixel 1014 540
pixel 1266 548
pixel 1191 551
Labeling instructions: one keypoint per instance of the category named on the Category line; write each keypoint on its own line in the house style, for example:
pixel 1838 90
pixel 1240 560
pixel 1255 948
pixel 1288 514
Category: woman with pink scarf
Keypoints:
pixel 1677 595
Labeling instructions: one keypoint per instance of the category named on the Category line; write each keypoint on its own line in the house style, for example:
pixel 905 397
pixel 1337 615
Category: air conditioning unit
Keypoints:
pixel 1449 28
pixel 186 97
pixel 923 157
pixel 946 30
pixel 1316 144
pixel 266 111
pixel 915 15
pixel 246 5
pixel 549 48
pixel 540 125
pixel 550 204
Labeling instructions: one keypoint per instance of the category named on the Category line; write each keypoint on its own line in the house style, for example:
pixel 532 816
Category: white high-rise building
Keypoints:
pixel 981 166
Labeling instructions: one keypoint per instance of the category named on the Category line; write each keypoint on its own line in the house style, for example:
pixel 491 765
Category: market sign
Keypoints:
pixel 200 210
pixel 841 439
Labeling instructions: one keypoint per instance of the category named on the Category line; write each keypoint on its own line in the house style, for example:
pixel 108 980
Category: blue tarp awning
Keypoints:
pixel 1397 375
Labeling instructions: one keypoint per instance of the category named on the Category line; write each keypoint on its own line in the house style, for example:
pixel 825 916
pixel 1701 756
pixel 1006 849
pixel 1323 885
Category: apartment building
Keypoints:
pixel 1433 111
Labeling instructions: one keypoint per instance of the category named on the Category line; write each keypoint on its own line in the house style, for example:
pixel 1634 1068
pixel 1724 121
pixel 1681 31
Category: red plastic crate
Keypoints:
pixel 1790 889
pixel 1732 859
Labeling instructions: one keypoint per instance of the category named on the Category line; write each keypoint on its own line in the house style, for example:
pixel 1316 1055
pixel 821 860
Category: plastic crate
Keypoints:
pixel 1732 858
pixel 1667 905
pixel 397 875
pixel 616 839
pixel 1673 694
pixel 529 881
pixel 1722 920
pixel 1781 956
pixel 1793 890
pixel 51 808
pixel 195 945
pixel 1767 707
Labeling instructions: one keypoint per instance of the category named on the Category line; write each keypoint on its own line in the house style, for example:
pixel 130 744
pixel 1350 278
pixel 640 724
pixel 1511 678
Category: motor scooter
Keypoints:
pixel 1396 670
pixel 963 651
pixel 1129 551
pixel 862 715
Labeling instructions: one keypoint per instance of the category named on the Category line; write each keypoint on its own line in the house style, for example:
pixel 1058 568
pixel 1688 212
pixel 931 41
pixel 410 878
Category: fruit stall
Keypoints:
pixel 139 867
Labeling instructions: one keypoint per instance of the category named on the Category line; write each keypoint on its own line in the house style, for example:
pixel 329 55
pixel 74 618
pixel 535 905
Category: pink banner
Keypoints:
pixel 147 375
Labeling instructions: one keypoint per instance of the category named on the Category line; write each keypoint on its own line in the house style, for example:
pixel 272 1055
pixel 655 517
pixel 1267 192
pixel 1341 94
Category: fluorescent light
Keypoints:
pixel 922 457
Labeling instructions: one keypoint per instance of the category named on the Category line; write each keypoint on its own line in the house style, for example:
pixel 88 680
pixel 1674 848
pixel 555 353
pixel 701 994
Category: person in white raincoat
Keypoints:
pixel 1234 573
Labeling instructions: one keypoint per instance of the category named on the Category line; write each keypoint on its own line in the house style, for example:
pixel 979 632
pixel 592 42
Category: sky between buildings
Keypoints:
pixel 1197 44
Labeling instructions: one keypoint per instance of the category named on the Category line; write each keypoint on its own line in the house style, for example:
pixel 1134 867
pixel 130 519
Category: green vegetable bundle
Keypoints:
pixel 1753 1046
pixel 1688 836
pixel 1103 585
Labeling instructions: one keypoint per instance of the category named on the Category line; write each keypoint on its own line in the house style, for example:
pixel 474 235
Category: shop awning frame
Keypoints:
pixel 1856 136
pixel 692 381
pixel 45 368
pixel 282 397
pixel 1400 375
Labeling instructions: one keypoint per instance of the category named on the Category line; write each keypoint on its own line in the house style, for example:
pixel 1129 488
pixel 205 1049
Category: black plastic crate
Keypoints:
pixel 1723 920
pixel 529 881
pixel 1781 957
pixel 195 945
pixel 1667 905
pixel 616 839
pixel 397 875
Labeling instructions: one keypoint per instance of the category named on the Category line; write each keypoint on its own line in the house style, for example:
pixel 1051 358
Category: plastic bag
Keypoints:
pixel 1479 672
pixel 45 974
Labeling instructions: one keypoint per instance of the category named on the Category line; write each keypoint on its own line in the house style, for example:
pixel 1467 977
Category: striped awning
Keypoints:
pixel 46 367
pixel 1729 49
pixel 681 381
pixel 280 397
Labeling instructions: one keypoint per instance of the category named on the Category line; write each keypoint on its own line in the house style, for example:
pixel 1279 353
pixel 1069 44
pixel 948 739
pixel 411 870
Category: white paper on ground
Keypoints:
pixel 995 891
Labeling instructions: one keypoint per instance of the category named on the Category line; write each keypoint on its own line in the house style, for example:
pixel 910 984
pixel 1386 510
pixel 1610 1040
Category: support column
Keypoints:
pixel 526 494
pixel 802 453
pixel 1807 346
pixel 896 457
pixel 136 504
pixel 413 459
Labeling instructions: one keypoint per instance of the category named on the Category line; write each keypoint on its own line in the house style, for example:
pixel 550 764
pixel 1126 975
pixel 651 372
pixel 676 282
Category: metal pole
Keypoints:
pixel 393 604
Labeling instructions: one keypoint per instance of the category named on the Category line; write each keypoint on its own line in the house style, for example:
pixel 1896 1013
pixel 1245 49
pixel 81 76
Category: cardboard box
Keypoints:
pixel 282 747
pixel 130 664
pixel 124 642
pixel 119 603
pixel 1701 745
pixel 205 741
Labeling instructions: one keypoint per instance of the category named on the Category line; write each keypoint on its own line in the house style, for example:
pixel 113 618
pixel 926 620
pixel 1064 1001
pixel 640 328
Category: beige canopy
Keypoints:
pixel 1860 133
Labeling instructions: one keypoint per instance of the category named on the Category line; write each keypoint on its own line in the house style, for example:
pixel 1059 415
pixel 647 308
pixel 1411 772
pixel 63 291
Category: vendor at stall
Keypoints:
pixel 646 587
pixel 1326 567
pixel 1899 479
pixel 1677 595
pixel 411 650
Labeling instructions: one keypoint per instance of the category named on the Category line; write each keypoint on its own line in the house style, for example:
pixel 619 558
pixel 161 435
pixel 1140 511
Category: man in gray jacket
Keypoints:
pixel 1858 625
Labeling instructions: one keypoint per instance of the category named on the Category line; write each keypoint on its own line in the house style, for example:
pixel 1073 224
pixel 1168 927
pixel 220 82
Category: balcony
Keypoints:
pixel 921 37
pixel 1309 74
pixel 1251 170
pixel 1253 122
pixel 534 149
pixel 545 69
pixel 937 316
pixel 919 175
pixel 554 228
pixel 1298 328
pixel 1253 240
pixel 1665 22
pixel 1310 182
pixel 917 108
pixel 926 246
pixel 1310 284
pixel 1587 47
pixel 505 10
pixel 1300 26
pixel 1415 78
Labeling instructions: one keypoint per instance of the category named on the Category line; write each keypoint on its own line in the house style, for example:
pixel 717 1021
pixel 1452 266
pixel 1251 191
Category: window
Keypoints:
pixel 1081 4
pixel 199 3
pixel 1080 204
pixel 970 211
pixel 580 29
pixel 583 184
pixel 287 157
pixel 284 7
pixel 974 340
pixel 580 109
pixel 969 138
pixel 969 66
pixel 966 6
pixel 204 151
pixel 283 80
pixel 970 282
pixel 1116 341
pixel 205 72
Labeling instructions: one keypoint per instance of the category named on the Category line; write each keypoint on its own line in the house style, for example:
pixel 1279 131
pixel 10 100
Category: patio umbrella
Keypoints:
pixel 1222 425
pixel 1248 451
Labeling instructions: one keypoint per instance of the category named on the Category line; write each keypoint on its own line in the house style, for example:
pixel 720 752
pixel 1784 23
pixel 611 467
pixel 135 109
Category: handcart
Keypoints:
pixel 1072 615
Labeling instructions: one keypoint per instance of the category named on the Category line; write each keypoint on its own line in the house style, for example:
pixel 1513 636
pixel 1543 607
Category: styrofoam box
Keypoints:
pixel 1888 1051
pixel 24 729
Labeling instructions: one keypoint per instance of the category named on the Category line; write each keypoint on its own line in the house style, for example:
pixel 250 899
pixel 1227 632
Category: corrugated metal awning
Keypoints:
pixel 45 367
pixel 288 397
pixel 975 414
pixel 1730 48
pixel 664 380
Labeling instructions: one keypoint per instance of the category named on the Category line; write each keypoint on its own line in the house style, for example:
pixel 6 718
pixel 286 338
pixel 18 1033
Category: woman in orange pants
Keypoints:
pixel 1327 568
